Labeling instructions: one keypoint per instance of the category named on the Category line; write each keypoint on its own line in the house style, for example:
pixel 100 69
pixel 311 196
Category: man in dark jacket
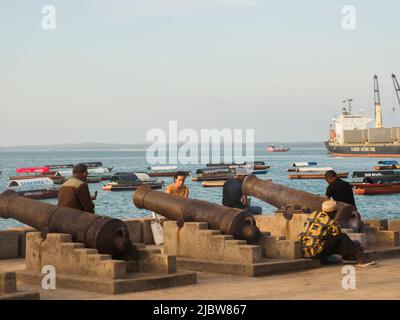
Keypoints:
pixel 74 193
pixel 338 189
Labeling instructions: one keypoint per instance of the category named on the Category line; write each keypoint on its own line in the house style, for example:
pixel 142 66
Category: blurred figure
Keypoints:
pixel 233 197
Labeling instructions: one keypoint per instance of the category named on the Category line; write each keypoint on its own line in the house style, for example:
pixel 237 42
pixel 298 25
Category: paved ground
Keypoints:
pixel 320 283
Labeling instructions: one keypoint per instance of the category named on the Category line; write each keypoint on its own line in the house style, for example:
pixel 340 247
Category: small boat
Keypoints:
pixel 57 179
pixel 53 167
pixel 42 188
pixel 94 179
pixel 213 184
pixel 377 173
pixel 377 188
pixel 304 164
pixel 388 162
pixel 309 169
pixel 165 171
pixel 213 177
pixel 387 167
pixel 315 175
pixel 131 181
pixel 256 165
pixel 275 149
pixel 33 170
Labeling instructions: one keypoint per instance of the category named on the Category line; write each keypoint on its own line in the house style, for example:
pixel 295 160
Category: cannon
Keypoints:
pixel 290 201
pixel 238 223
pixel 107 235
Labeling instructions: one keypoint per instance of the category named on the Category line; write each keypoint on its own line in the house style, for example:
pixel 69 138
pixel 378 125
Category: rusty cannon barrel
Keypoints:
pixel 107 235
pixel 240 224
pixel 289 200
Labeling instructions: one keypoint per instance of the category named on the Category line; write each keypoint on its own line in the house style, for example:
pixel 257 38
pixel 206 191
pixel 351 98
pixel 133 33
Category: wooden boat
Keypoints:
pixel 33 170
pixel 315 175
pixel 166 173
pixel 304 164
pixel 376 173
pixel 275 149
pixel 131 181
pixel 212 177
pixel 256 165
pixel 309 169
pixel 387 167
pixel 387 162
pixel 376 188
pixel 41 188
pixel 94 179
pixel 212 184
pixel 57 179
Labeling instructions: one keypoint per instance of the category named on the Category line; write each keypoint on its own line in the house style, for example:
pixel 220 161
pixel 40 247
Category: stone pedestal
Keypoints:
pixel 81 268
pixel 199 248
pixel 8 289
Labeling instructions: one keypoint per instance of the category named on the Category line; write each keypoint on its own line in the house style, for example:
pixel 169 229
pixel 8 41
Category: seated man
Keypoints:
pixel 74 193
pixel 322 237
pixel 232 196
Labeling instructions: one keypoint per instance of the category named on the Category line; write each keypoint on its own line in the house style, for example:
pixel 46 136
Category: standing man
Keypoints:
pixel 338 189
pixel 74 193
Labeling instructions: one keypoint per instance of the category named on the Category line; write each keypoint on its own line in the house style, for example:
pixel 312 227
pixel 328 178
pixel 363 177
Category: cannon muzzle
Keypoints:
pixel 107 235
pixel 289 201
pixel 240 224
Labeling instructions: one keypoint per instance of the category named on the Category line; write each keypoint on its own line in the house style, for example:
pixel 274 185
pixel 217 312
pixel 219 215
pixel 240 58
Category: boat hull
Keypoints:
pixel 360 150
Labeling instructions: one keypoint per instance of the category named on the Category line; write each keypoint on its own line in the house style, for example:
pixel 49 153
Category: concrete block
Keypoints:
pixel 394 225
pixel 380 224
pixel 278 226
pixel 22 231
pixel 8 282
pixel 194 241
pixel 281 249
pixel 135 230
pixel 146 232
pixel 8 244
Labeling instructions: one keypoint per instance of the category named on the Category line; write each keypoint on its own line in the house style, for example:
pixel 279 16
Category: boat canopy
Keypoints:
pixel 128 178
pixel 33 170
pixel 31 184
pixel 304 164
pixel 160 168
pixel 388 162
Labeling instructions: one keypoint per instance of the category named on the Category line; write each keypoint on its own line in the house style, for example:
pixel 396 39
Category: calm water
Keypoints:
pixel 119 204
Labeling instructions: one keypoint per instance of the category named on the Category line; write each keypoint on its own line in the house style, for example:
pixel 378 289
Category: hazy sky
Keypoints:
pixel 112 70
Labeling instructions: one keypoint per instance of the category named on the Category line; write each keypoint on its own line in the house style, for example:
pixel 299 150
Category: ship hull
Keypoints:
pixel 359 150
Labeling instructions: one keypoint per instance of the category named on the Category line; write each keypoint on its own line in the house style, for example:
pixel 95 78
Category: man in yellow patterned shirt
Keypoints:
pixel 322 237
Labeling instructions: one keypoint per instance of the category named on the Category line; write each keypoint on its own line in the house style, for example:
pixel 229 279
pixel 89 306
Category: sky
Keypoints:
pixel 113 70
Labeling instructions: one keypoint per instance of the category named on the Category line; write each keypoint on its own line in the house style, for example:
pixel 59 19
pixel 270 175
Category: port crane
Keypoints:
pixel 396 88
pixel 378 108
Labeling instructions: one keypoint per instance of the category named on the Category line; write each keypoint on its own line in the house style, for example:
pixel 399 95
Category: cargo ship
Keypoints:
pixel 349 135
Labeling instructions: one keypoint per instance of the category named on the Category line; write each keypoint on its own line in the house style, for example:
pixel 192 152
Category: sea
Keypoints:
pixel 119 204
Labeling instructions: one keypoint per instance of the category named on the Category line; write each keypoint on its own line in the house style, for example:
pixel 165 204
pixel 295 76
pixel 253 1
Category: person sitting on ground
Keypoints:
pixel 74 193
pixel 233 197
pixel 322 237
pixel 178 188
pixel 338 189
